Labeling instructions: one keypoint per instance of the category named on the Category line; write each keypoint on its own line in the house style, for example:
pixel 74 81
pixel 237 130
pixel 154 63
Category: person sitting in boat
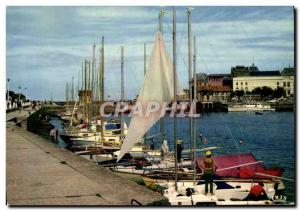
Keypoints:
pixel 257 193
pixel 164 149
pixel 152 144
pixel 209 170
pixel 179 146
pixel 200 137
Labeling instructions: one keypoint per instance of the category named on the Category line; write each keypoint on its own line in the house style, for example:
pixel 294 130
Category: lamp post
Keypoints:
pixel 26 93
pixel 20 103
pixel 19 93
pixel 8 79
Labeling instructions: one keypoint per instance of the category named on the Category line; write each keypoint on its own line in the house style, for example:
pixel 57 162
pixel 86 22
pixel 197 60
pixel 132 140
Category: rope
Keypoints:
pixel 236 144
pixel 178 48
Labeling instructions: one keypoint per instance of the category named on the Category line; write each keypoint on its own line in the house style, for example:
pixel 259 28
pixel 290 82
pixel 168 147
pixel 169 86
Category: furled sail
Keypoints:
pixel 157 87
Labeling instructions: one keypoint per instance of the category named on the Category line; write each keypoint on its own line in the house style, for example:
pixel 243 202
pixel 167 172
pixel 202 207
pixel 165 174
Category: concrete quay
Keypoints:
pixel 19 114
pixel 40 173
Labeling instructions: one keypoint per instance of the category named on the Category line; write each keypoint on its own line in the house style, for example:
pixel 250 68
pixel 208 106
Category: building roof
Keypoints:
pixel 265 73
pixel 208 87
pixel 251 68
pixel 288 71
pixel 219 75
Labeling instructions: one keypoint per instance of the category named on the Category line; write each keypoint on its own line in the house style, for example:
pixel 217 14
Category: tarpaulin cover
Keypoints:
pixel 243 172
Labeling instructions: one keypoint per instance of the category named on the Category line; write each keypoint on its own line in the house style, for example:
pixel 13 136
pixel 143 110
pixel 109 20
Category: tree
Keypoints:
pixel 266 91
pixel 239 93
pixel 256 90
pixel 279 92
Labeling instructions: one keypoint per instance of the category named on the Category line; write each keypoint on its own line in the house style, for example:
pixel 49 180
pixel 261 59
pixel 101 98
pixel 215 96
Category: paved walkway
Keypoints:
pixel 40 173
pixel 18 114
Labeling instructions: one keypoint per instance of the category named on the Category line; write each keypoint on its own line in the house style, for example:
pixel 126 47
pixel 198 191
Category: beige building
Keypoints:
pixel 248 83
pixel 184 96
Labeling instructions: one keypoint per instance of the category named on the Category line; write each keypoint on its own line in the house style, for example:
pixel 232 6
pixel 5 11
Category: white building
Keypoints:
pixel 248 83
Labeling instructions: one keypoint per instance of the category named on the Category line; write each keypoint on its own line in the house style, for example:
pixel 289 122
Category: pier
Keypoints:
pixel 40 173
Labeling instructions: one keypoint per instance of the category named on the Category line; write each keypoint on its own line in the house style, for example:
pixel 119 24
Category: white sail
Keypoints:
pixel 157 87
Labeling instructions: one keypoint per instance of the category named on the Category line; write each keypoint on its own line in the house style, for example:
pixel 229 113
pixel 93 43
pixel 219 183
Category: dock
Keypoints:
pixel 39 172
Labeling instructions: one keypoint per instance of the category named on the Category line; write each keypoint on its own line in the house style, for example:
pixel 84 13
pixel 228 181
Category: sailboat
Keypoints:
pixel 94 132
pixel 160 84
pixel 159 80
pixel 157 87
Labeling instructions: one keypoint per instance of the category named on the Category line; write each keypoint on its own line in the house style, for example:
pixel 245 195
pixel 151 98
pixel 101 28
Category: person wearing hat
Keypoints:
pixel 209 170
pixel 179 146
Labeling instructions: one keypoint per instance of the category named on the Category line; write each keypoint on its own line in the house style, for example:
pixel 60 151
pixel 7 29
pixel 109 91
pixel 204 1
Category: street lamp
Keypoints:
pixel 8 79
pixel 26 93
pixel 19 93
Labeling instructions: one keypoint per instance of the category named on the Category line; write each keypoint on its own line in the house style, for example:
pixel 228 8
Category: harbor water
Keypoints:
pixel 270 137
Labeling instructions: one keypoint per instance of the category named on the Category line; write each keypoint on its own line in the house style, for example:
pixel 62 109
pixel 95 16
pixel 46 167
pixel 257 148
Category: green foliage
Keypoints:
pixel 263 92
pixel 239 93
pixel 278 93
pixel 266 92
pixel 256 90
pixel 15 96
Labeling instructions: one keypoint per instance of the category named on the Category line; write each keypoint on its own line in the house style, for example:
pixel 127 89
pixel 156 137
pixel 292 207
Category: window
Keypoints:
pixel 246 88
pixel 237 83
pixel 289 92
pixel 284 84
pixel 246 83
pixel 277 83
pixel 288 84
pixel 242 83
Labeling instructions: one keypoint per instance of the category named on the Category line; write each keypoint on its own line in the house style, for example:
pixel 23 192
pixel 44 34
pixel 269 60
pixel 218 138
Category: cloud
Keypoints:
pixel 47 45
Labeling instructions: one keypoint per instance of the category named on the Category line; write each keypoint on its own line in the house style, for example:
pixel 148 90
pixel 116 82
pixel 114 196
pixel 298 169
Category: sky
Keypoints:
pixel 46 46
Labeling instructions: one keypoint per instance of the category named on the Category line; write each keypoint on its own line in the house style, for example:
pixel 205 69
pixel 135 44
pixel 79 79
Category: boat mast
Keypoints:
pixel 85 92
pixel 145 69
pixel 82 72
pixel 93 73
pixel 99 81
pixel 145 58
pixel 72 90
pixel 93 81
pixel 67 93
pixel 77 89
pixel 161 121
pixel 175 91
pixel 122 91
pixel 82 86
pixel 96 89
pixel 89 91
pixel 89 75
pixel 102 84
pixel 195 111
pixel 189 11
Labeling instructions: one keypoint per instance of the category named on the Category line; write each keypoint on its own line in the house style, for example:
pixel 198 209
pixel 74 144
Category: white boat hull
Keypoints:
pixel 234 196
